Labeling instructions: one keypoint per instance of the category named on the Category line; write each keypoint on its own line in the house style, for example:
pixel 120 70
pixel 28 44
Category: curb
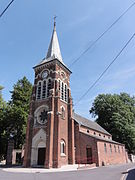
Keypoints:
pixel 17 170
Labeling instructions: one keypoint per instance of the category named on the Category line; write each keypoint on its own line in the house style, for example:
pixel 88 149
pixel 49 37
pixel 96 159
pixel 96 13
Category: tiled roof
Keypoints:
pixel 107 140
pixel 88 123
pixel 104 139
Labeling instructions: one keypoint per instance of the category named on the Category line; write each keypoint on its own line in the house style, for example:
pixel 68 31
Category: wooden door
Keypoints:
pixel 41 156
pixel 89 155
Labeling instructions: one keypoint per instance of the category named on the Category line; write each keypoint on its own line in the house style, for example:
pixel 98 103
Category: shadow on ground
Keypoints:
pixel 131 174
pixel 20 166
pixel 9 166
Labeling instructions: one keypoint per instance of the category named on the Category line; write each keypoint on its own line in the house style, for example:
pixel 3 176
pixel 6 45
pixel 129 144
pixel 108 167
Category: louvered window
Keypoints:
pixel 39 91
pixel 62 91
pixel 49 87
pixel 66 93
pixel 44 90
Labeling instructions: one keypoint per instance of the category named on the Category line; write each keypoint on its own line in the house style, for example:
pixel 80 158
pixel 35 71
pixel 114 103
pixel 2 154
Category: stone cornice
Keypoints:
pixel 48 63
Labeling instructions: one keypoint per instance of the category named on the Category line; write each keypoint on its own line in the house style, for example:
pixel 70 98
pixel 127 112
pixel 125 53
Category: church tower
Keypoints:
pixel 50 127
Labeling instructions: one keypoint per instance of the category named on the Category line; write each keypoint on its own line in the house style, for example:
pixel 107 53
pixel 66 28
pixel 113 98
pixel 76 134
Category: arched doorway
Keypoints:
pixel 38 151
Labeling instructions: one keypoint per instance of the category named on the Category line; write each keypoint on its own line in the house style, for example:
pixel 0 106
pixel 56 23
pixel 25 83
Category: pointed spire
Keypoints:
pixel 54 48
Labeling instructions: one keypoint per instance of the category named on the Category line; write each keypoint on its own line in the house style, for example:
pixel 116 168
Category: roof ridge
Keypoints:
pixel 85 118
pixel 89 123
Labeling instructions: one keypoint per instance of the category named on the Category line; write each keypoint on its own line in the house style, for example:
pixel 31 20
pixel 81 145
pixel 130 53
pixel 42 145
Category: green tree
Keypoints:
pixel 16 113
pixel 2 125
pixel 116 114
pixel 2 103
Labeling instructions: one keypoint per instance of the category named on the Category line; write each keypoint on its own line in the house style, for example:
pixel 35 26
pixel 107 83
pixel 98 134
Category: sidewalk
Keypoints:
pixel 42 170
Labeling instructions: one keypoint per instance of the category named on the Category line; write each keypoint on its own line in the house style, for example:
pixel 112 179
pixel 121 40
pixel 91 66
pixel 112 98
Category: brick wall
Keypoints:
pixel 83 140
pixel 94 132
pixel 57 128
pixel 109 156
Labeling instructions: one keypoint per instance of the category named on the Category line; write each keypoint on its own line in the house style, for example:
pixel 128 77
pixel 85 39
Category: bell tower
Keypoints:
pixel 50 127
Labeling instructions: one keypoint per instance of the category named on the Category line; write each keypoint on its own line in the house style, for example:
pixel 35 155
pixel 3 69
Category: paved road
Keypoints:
pixel 102 173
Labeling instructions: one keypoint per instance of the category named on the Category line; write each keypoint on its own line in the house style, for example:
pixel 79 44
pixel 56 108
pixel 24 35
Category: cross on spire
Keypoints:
pixel 55 20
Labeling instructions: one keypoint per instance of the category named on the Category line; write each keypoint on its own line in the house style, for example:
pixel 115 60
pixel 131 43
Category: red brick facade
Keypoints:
pixel 57 128
pixel 113 154
pixel 54 138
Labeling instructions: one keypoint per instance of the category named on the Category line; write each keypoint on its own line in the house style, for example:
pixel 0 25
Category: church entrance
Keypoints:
pixel 41 156
pixel 89 155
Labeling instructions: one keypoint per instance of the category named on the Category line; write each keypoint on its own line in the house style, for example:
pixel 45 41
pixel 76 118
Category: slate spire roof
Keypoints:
pixel 54 48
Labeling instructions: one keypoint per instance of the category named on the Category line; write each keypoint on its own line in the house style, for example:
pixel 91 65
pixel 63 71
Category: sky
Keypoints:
pixel 26 29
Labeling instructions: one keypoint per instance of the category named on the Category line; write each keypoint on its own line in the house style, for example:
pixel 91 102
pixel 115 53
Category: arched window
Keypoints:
pixel 110 148
pixel 62 91
pixel 62 147
pixel 105 148
pixel 62 113
pixel 118 149
pixel 59 85
pixel 65 92
pixel 39 91
pixel 115 148
pixel 60 88
pixel 44 90
pixel 49 87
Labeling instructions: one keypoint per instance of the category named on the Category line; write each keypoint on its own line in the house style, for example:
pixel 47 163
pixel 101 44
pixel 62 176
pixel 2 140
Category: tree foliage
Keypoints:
pixel 2 103
pixel 17 111
pixel 116 114
pixel 14 115
pixel 2 124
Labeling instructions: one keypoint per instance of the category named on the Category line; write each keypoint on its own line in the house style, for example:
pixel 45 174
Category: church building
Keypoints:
pixel 57 136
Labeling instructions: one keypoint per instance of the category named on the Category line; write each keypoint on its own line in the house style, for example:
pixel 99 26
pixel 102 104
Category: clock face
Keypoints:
pixel 44 74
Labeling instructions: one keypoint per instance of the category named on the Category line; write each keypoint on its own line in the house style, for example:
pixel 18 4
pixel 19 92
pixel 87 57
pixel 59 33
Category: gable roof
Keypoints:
pixel 88 123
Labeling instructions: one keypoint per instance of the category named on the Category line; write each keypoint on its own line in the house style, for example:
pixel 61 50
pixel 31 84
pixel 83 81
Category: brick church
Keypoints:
pixel 56 135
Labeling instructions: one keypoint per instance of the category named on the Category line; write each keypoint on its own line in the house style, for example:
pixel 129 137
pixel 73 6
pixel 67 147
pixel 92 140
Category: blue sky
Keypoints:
pixel 25 32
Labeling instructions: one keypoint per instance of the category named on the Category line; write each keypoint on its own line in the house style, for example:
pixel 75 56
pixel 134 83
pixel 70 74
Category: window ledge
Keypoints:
pixel 63 101
pixel 63 155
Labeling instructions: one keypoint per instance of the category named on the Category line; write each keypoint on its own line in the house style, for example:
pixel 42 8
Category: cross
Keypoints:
pixel 55 19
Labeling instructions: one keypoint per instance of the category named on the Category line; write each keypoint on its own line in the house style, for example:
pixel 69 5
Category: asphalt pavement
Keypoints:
pixel 117 172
